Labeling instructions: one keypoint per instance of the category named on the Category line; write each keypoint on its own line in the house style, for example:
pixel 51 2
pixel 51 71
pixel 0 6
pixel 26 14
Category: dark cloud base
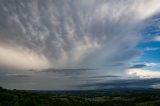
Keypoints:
pixel 124 84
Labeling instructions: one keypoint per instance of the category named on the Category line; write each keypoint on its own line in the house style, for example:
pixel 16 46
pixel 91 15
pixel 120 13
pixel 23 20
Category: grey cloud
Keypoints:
pixel 71 33
pixel 124 84
pixel 106 76
pixel 143 65
pixel 51 79
pixel 62 70
pixel 17 75
pixel 67 35
pixel 68 72
pixel 138 66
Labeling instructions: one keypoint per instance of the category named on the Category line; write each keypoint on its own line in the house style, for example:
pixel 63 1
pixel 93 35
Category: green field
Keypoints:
pixel 79 98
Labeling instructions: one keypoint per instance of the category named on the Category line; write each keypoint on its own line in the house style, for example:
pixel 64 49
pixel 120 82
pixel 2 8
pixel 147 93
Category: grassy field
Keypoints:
pixel 79 98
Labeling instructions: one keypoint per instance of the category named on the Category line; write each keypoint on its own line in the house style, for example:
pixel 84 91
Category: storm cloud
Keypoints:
pixel 125 84
pixel 69 33
pixel 99 36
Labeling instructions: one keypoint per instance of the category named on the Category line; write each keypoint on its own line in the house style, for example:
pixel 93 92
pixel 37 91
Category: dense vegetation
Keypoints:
pixel 79 98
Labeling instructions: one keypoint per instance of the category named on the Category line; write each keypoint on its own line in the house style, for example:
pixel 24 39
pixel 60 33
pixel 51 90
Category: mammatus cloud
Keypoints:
pixel 63 40
pixel 68 34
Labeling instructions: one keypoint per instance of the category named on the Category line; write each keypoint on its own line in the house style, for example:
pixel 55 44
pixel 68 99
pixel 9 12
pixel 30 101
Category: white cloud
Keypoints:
pixel 152 49
pixel 153 6
pixel 21 58
pixel 151 64
pixel 157 38
pixel 142 73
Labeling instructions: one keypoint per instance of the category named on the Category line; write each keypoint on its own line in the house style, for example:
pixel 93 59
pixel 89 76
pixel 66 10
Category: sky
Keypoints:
pixel 79 44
